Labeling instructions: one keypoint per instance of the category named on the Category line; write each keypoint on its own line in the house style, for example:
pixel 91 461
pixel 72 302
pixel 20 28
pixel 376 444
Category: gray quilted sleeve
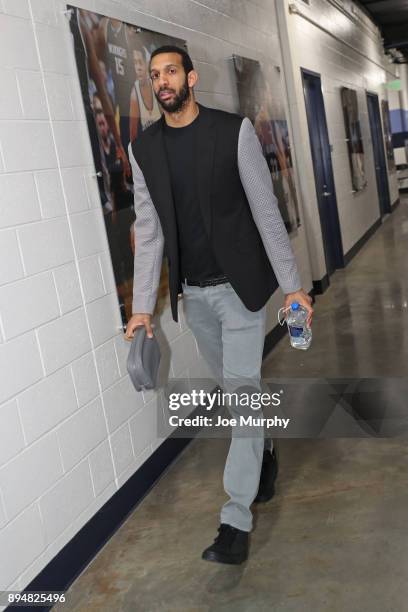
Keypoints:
pixel 149 243
pixel 257 182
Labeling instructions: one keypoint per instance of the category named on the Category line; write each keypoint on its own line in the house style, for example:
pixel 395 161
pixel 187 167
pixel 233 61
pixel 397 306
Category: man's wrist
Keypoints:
pixel 300 290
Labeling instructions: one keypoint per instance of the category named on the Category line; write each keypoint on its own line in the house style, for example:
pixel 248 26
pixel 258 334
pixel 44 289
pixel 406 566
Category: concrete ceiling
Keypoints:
pixel 392 17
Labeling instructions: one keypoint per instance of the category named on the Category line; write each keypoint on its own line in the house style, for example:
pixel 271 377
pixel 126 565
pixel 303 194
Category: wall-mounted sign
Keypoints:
pixel 389 149
pixel 394 85
pixel 261 99
pixel 354 139
pixel 112 59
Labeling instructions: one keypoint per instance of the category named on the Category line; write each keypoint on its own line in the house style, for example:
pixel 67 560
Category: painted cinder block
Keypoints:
pixel 50 193
pixel 11 433
pixel 72 143
pixel 46 244
pixel 10 103
pixel 68 288
pixel 104 318
pixel 101 464
pixel 19 201
pixel 14 136
pixel 64 340
pixel 107 364
pixel 121 402
pixel 23 539
pixel 11 265
pixel 30 474
pixel 36 291
pixel 32 93
pixel 91 278
pixel 46 404
pixel 75 189
pixel 59 96
pixel 143 426
pixel 122 448
pixel 17 43
pixel 61 504
pixel 17 373
pixel 81 433
pixel 89 233
pixel 85 378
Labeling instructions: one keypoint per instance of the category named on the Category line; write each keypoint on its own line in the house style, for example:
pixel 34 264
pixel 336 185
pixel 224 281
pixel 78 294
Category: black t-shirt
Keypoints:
pixel 197 260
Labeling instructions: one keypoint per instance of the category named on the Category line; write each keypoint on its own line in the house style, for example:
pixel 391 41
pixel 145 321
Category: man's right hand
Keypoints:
pixel 139 320
pixel 121 154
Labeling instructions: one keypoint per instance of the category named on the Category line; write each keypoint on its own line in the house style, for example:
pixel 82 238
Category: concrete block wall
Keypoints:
pixel 72 429
pixel 345 48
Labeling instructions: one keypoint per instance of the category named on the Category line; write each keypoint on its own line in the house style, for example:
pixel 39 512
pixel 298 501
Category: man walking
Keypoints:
pixel 203 192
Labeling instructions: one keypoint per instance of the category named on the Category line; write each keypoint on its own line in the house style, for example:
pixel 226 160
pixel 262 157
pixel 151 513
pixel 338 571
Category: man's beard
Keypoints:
pixel 178 101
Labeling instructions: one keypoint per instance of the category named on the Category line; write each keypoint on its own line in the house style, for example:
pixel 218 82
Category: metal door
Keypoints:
pixel 323 172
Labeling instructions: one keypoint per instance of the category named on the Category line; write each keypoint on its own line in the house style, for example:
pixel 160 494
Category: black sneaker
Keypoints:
pixel 230 546
pixel 269 473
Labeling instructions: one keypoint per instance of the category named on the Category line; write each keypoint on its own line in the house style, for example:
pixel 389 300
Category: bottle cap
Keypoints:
pixel 295 306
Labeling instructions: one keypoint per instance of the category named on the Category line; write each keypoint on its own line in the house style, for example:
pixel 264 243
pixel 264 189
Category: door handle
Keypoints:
pixel 326 194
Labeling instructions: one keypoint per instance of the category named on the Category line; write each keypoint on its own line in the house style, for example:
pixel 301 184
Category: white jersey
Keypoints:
pixel 147 117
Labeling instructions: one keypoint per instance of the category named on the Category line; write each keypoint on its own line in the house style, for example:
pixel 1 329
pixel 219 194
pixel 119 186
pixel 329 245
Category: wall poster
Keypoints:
pixel 389 149
pixel 261 100
pixel 354 139
pixel 112 59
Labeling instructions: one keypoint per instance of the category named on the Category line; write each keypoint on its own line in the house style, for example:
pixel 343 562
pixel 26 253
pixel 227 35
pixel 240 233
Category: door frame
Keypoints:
pixel 332 219
pixel 385 208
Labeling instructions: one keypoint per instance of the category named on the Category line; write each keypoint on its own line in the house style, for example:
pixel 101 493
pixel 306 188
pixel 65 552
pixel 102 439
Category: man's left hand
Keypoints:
pixel 302 298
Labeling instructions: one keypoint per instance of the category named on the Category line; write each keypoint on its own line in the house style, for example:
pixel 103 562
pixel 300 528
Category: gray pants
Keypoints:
pixel 231 338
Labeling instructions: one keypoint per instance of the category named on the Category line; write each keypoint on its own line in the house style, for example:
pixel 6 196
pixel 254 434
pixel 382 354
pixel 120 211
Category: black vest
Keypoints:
pixel 227 216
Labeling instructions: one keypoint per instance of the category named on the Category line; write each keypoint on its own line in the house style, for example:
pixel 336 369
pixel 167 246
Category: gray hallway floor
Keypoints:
pixel 334 537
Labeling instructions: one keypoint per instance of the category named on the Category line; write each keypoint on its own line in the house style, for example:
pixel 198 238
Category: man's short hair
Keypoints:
pixel 185 58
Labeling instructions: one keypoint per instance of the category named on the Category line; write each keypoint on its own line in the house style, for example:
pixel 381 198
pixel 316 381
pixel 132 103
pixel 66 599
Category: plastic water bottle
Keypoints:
pixel 300 334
